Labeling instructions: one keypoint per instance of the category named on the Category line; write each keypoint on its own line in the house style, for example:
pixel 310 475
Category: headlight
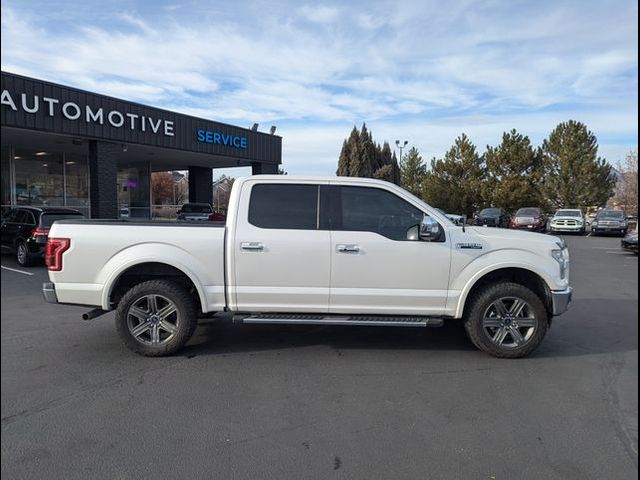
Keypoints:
pixel 595 223
pixel 561 255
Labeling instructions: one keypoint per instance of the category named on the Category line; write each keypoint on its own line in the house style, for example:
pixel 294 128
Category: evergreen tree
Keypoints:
pixel 514 171
pixel 576 177
pixel 362 157
pixel 367 154
pixel 343 160
pixel 454 183
pixel 412 172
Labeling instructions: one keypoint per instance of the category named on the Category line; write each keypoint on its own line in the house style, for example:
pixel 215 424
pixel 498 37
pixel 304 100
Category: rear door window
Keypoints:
pixel 21 217
pixel 284 206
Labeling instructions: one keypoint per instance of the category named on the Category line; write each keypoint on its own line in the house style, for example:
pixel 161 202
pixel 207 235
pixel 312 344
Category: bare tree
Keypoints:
pixel 626 194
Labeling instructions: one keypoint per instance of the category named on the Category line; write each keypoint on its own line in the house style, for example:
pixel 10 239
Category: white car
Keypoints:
pixel 568 220
pixel 457 219
pixel 327 251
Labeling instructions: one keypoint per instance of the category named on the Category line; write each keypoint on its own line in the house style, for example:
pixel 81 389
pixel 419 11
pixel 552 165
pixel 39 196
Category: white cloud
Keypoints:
pixel 423 69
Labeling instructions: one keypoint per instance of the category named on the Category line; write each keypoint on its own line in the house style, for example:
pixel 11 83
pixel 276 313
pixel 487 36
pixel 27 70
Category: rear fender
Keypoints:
pixel 147 253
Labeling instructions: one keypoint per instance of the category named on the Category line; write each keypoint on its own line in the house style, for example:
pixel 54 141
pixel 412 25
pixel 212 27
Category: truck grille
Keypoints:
pixel 566 223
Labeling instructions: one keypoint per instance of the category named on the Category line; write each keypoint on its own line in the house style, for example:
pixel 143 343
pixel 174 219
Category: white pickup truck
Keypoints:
pixel 330 251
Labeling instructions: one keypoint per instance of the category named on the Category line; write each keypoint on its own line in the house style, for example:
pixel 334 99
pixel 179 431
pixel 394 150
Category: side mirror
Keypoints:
pixel 430 230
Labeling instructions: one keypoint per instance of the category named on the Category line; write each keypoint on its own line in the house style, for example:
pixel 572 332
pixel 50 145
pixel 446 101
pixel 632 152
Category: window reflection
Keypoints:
pixel 51 179
pixel 39 178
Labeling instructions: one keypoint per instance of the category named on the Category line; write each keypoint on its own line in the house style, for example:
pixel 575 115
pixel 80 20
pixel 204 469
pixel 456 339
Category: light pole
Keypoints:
pixel 401 147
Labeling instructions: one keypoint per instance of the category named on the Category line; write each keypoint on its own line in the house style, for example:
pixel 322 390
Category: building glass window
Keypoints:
pixel 39 178
pixel 42 178
pixel 5 163
pixel 77 182
pixel 134 191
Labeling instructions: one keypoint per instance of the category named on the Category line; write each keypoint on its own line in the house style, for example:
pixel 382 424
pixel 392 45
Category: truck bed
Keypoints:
pixel 102 250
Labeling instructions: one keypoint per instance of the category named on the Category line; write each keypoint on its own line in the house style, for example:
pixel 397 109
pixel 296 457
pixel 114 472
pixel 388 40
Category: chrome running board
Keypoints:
pixel 361 320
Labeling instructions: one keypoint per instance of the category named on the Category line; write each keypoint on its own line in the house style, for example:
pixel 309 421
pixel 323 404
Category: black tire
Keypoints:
pixel 483 301
pixel 184 319
pixel 23 257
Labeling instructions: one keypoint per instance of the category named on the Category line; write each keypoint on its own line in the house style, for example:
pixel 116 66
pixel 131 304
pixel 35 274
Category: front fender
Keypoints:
pixel 468 275
pixel 151 253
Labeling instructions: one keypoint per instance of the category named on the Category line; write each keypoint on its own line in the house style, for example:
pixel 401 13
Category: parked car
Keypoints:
pixel 569 220
pixel 630 241
pixel 457 219
pixel 25 230
pixel 530 218
pixel 218 217
pixel 609 221
pixel 493 217
pixel 195 212
pixel 328 251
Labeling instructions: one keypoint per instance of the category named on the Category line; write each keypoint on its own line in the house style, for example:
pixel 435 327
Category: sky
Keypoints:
pixel 420 71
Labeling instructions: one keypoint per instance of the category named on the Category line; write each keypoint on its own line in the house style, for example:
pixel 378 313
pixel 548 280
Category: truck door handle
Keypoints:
pixel 348 248
pixel 251 246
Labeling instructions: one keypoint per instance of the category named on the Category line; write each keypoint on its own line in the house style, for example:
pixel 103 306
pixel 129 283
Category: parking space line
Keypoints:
pixel 16 270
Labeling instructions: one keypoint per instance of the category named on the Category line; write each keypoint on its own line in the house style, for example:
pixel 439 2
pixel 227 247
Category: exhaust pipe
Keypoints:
pixel 91 314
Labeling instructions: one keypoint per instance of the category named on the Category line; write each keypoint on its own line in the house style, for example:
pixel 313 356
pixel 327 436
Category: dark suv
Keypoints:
pixel 493 217
pixel 609 221
pixel 25 230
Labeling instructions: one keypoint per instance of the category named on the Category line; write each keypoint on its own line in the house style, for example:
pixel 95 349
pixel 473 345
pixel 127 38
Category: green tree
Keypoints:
pixel 515 172
pixel 412 172
pixel 362 157
pixel 454 183
pixel 576 176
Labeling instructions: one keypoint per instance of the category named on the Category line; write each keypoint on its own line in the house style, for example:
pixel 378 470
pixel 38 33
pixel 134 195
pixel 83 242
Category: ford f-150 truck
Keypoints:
pixel 331 251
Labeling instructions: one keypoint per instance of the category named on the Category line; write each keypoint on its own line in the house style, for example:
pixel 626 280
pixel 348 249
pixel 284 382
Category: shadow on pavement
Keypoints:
pixel 590 327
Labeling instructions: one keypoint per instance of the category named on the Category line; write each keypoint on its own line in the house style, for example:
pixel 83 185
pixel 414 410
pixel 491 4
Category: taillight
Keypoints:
pixel 39 231
pixel 53 253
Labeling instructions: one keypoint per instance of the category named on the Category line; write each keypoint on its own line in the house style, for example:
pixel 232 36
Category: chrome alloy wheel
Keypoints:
pixel 509 322
pixel 153 320
pixel 22 253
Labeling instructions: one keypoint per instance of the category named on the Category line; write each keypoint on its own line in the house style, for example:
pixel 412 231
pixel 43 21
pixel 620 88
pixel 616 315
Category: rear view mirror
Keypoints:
pixel 430 230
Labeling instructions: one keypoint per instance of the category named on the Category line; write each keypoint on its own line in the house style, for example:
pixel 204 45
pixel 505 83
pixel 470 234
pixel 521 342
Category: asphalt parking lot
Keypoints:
pixel 323 402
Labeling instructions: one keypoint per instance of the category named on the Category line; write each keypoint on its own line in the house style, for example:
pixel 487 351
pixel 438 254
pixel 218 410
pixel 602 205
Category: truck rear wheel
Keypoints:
pixel 506 320
pixel 156 318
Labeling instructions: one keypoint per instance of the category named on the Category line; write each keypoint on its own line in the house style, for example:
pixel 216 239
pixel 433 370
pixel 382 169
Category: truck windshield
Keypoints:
pixel 568 213
pixel 611 214
pixel 528 211
pixel 490 211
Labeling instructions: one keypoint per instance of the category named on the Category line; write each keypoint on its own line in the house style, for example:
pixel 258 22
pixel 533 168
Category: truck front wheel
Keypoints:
pixel 506 320
pixel 156 318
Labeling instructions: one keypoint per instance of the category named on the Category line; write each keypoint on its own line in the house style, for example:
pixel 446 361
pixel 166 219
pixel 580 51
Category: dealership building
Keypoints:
pixel 67 147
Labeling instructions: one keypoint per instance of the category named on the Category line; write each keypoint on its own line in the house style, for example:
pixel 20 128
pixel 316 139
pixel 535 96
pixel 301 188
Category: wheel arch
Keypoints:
pixel 133 274
pixel 523 276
